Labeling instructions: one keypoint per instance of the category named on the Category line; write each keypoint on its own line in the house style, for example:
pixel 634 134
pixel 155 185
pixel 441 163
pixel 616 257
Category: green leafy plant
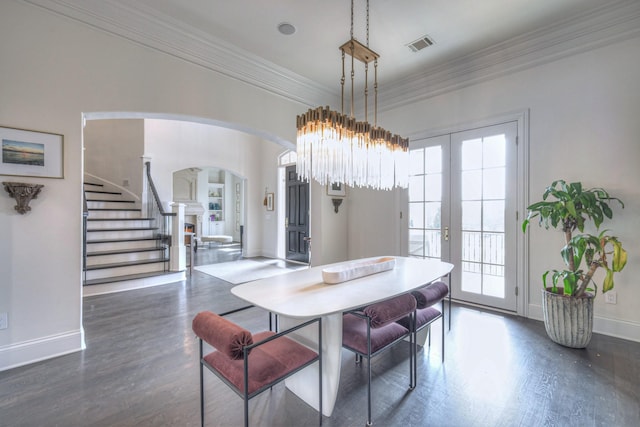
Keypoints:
pixel 569 207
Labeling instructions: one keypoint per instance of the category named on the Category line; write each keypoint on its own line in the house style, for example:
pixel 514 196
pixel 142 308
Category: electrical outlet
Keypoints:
pixel 611 297
pixel 4 321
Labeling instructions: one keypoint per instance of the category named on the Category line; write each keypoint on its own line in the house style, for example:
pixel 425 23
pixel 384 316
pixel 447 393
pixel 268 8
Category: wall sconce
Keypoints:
pixel 336 204
pixel 23 193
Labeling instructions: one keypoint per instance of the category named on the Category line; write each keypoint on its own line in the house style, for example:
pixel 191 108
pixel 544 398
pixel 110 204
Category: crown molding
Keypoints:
pixel 613 22
pixel 168 35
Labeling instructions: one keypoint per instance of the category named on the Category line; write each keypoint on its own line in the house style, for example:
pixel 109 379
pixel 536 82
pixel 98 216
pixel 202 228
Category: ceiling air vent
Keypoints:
pixel 420 44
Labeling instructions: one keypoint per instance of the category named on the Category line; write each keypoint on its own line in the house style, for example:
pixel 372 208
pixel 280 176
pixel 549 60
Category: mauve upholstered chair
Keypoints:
pixel 252 363
pixel 426 313
pixel 369 331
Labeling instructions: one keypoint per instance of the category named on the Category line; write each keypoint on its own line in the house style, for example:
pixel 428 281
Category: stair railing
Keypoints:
pixel 85 215
pixel 162 218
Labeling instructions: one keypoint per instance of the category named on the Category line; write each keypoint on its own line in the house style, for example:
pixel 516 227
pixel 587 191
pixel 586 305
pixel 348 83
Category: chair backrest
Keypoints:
pixel 390 310
pixel 227 337
pixel 430 294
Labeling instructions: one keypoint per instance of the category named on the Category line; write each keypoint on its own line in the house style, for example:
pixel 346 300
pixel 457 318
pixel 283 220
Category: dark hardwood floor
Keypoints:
pixel 140 368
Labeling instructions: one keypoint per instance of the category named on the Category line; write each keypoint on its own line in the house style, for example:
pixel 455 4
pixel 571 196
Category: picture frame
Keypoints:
pixel 31 153
pixel 336 189
pixel 270 197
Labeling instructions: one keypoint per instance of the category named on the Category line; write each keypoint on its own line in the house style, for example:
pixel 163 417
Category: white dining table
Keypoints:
pixel 302 294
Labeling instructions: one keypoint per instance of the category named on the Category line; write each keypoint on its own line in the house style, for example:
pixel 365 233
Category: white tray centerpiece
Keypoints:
pixel 349 271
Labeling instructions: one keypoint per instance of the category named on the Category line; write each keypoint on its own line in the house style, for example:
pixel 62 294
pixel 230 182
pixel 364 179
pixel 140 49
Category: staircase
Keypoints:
pixel 124 249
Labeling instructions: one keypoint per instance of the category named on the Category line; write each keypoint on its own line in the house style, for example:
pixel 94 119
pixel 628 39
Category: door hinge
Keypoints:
pixel 517 215
pixel 517 140
pixel 516 291
pixel 400 214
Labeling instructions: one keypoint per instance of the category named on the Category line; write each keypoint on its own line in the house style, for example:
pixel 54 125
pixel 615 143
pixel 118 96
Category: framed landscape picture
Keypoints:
pixel 31 153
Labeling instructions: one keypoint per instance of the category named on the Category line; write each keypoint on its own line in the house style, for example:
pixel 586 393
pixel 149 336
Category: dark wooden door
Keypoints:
pixel 297 219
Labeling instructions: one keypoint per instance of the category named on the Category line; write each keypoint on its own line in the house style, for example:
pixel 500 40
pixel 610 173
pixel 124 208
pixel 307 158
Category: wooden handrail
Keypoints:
pixel 155 192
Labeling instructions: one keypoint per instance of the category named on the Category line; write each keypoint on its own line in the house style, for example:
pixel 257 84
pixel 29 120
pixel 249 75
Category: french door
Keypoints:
pixel 462 209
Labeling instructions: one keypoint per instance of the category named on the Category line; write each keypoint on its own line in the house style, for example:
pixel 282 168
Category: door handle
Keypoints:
pixel 446 234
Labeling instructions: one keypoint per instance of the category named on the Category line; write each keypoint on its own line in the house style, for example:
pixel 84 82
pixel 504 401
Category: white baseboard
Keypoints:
pixel 108 288
pixel 601 325
pixel 26 352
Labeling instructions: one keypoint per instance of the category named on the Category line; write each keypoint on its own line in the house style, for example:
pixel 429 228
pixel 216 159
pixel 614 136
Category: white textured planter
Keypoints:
pixel 568 320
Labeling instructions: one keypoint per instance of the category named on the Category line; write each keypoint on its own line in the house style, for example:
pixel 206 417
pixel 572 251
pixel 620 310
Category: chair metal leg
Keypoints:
pixel 369 392
pixel 201 389
pixel 443 328
pixel 413 353
pixel 320 370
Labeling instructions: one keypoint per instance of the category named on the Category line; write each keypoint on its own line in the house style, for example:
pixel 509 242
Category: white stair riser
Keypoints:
pixel 115 246
pixel 102 196
pixel 114 214
pixel 135 256
pixel 93 225
pixel 111 205
pixel 101 235
pixel 121 271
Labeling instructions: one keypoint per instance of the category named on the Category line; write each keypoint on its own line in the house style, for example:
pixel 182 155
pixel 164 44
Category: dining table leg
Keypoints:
pixel 303 383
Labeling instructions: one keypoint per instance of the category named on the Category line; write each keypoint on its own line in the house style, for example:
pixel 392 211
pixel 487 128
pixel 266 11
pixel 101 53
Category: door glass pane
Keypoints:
pixel 416 188
pixel 483 215
pixel 416 215
pixel 416 243
pixel 432 246
pixel 493 183
pixel 425 202
pixel 416 162
pixel 471 216
pixel 493 151
pixel 432 215
pixel 433 187
pixel 433 158
pixel 472 185
pixel 471 154
pixel 493 215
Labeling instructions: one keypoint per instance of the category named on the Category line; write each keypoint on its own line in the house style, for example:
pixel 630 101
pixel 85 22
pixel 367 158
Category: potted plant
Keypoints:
pixel 567 302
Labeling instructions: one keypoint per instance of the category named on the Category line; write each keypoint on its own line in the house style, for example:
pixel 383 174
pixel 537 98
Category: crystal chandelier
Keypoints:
pixel 333 147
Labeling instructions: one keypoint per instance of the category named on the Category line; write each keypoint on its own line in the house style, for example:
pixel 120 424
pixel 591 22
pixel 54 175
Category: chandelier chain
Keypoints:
pixel 335 148
pixel 367 23
pixel 352 19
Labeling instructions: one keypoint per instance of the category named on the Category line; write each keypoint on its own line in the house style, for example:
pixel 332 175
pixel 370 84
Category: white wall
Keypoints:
pixel 584 126
pixel 112 152
pixel 54 70
pixel 328 231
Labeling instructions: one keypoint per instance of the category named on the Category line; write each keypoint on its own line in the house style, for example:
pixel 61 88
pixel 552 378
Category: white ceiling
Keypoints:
pixel 240 37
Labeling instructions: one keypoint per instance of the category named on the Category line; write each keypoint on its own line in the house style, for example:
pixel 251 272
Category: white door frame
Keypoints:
pixel 522 186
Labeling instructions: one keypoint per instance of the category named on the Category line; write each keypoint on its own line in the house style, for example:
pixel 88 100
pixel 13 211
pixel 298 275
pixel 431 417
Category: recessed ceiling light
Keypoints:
pixel 286 28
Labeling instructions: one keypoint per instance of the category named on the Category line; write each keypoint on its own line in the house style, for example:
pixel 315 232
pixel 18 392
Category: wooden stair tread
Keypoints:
pixel 103 192
pixel 128 239
pixel 94 184
pixel 115 209
pixel 93 230
pixel 110 200
pixel 121 219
